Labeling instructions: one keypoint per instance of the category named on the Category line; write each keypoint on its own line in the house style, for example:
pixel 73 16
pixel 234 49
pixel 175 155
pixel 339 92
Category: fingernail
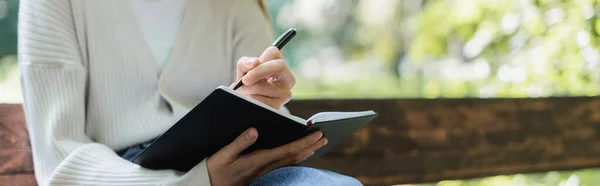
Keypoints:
pixel 252 134
pixel 325 141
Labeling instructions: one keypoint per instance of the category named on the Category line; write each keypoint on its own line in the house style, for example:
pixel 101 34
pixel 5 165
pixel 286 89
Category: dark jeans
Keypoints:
pixel 129 153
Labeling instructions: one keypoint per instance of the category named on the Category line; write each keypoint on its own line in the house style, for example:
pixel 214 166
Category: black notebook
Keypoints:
pixel 224 114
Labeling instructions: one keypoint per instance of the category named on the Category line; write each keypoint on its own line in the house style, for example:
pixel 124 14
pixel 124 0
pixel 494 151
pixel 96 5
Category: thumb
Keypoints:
pixel 271 53
pixel 230 153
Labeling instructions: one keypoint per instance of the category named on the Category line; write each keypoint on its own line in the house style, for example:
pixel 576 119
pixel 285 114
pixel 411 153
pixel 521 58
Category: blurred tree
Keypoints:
pixel 8 36
pixel 531 47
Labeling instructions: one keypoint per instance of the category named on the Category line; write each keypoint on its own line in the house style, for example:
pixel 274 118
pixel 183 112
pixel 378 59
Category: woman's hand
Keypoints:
pixel 267 78
pixel 227 167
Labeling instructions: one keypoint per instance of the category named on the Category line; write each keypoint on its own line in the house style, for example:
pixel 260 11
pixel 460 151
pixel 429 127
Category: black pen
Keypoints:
pixel 279 43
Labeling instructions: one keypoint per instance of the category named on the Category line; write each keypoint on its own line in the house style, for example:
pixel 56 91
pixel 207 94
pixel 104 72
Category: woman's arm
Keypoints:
pixel 252 30
pixel 252 34
pixel 54 85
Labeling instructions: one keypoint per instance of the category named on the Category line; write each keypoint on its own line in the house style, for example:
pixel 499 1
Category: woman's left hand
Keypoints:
pixel 267 78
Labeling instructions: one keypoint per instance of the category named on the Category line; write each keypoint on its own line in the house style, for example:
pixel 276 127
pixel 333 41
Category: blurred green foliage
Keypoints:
pixel 443 48
pixel 587 177
pixel 8 27
pixel 555 42
pixel 8 36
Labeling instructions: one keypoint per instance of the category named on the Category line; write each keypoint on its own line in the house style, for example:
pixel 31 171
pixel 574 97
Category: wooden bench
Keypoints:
pixel 418 140
pixel 16 166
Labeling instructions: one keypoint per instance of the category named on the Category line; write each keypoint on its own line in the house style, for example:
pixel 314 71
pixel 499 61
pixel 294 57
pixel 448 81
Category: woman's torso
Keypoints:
pixel 128 95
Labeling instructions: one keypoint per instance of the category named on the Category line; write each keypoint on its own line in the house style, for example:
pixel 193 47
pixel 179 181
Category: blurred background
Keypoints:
pixel 423 49
pixel 442 48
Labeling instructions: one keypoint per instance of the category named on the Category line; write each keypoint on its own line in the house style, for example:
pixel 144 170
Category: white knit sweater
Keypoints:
pixel 91 85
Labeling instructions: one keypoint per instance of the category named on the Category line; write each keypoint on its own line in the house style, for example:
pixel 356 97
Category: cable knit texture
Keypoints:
pixel 91 85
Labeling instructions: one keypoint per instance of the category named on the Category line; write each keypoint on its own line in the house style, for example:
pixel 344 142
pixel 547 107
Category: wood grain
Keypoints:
pixel 13 130
pixel 16 164
pixel 27 179
pixel 422 140
pixel 15 150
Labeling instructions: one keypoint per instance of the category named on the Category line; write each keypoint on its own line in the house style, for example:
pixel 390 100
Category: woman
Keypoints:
pixel 101 77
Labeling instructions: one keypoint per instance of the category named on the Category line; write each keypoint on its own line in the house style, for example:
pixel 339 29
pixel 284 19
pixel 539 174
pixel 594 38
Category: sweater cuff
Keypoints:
pixel 197 175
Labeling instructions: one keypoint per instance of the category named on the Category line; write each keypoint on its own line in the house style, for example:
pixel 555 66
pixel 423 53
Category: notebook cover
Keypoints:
pixel 216 122
pixel 337 132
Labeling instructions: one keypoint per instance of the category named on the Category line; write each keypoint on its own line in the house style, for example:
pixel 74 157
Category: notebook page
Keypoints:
pixel 331 116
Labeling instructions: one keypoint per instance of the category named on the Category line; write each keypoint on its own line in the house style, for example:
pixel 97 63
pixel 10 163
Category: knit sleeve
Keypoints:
pixel 54 86
pixel 252 30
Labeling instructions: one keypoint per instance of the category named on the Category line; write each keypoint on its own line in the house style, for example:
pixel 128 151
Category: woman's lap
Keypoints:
pixel 286 176
pixel 296 176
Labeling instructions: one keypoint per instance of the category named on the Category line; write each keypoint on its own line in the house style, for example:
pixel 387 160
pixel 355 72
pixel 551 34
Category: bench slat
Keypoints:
pixel 425 140
pixel 27 179
pixel 428 140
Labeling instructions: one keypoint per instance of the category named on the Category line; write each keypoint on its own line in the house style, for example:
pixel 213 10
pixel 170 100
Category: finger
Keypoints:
pixel 266 89
pixel 275 71
pixel 284 80
pixel 271 53
pixel 263 158
pixel 311 150
pixel 267 93
pixel 262 161
pixel 264 70
pixel 230 153
pixel 295 147
pixel 246 64
pixel 278 164
pixel 307 153
pixel 272 102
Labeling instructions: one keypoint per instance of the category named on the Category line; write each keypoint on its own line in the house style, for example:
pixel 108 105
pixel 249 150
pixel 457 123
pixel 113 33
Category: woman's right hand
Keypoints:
pixel 227 167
